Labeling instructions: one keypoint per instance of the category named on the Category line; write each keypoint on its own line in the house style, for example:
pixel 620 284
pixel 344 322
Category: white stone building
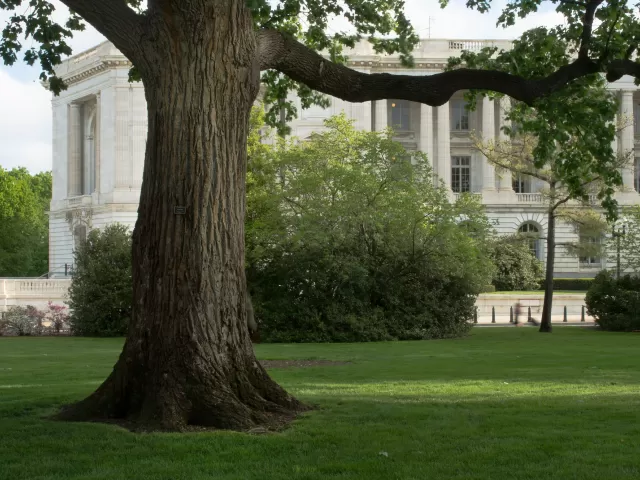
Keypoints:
pixel 100 124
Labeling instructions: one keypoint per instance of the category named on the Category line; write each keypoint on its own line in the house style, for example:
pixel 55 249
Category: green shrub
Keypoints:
pixel 101 292
pixel 573 284
pixel 348 240
pixel 615 303
pixel 516 267
pixel 22 321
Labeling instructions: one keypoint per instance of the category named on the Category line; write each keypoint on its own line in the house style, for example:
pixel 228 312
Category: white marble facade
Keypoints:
pixel 99 133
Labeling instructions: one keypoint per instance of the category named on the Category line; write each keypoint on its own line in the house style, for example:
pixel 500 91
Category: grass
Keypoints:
pixel 500 404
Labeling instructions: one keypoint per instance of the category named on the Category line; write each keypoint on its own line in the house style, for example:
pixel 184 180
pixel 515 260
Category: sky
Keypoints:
pixel 25 106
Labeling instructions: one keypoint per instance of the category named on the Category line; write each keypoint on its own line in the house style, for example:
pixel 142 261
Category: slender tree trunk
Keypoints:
pixel 545 322
pixel 188 358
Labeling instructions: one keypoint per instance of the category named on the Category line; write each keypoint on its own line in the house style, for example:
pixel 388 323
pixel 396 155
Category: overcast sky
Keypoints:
pixel 25 106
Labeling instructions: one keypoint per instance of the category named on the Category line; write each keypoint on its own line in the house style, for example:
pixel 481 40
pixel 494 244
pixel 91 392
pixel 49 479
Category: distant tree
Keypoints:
pixel 563 139
pixel 624 239
pixel 24 232
pixel 100 296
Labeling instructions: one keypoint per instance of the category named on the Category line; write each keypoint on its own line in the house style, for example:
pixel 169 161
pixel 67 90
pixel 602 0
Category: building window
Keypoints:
pixel 459 115
pixel 636 174
pixel 530 230
pixel 591 246
pixel 401 115
pixel 636 119
pixel 521 183
pixel 461 174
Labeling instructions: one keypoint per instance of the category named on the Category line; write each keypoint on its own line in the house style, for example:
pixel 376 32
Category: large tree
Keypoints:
pixel 188 359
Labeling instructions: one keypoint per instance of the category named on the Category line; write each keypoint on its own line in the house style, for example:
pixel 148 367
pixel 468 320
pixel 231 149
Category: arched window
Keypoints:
pixel 533 233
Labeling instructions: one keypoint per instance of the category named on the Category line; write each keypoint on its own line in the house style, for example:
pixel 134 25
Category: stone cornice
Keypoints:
pixel 100 66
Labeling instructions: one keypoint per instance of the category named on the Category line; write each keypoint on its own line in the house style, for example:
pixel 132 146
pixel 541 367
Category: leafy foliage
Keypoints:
pixel 28 321
pixel 24 236
pixel 615 303
pixel 100 296
pixel 565 138
pixel 22 321
pixel 350 241
pixel 629 241
pixel 516 267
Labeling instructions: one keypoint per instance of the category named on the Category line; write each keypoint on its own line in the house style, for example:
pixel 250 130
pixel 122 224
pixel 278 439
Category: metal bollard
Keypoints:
pixel 564 318
pixel 475 315
pixel 582 314
pixel 493 314
pixel 529 316
pixel 510 314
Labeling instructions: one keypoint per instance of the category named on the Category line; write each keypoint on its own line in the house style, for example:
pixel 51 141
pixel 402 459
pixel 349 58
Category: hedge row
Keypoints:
pixel 577 284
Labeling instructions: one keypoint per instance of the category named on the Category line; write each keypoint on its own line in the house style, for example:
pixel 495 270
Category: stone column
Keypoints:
pixel 75 150
pixel 506 182
pixel 444 145
pixel 381 115
pixel 627 138
pixel 426 132
pixel 96 142
pixel 488 134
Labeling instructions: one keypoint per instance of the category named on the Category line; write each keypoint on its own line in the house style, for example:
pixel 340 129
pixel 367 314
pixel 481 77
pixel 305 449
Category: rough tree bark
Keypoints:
pixel 188 358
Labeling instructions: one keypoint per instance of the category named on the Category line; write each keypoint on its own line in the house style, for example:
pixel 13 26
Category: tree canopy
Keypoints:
pixel 24 236
pixel 600 36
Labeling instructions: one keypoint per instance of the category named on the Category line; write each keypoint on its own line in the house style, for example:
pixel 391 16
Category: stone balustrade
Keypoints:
pixel 32 291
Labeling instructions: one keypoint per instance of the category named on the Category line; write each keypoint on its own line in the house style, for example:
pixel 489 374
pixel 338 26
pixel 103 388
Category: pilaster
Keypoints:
pixel 381 115
pixel 627 139
pixel 443 169
pixel 426 132
pixel 506 179
pixel 75 151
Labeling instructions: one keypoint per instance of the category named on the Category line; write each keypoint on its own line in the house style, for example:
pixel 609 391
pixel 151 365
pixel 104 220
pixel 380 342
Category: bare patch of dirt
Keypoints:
pixel 300 363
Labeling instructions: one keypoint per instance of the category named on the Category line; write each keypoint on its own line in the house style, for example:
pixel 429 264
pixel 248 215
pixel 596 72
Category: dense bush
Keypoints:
pixel 30 321
pixel 516 268
pixel 615 303
pixel 349 240
pixel 577 284
pixel 100 296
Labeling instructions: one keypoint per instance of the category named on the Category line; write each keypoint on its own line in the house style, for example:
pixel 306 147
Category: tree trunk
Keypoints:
pixel 545 321
pixel 188 359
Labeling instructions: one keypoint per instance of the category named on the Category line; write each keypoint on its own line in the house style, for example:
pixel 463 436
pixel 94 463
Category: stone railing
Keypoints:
pixel 78 201
pixel 529 197
pixel 471 45
pixel 477 196
pixel 32 291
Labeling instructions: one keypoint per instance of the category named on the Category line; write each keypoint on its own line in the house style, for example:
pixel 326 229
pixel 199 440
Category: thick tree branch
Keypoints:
pixel 302 64
pixel 114 19
pixel 285 54
pixel 618 68
pixel 587 28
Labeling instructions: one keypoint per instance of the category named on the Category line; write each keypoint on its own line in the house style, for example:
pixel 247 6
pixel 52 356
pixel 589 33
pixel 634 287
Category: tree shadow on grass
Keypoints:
pixel 445 436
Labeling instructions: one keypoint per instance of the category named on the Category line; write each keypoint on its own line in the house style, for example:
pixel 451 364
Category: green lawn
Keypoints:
pixel 503 403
